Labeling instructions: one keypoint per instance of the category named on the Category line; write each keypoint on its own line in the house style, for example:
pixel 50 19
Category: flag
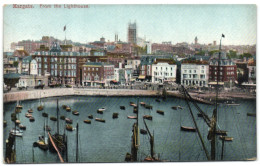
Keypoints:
pixel 64 29
pixel 223 35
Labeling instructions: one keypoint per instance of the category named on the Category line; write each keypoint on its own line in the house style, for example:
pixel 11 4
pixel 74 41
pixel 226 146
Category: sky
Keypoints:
pixel 157 23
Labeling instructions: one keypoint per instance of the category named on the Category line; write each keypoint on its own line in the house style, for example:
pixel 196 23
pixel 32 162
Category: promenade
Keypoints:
pixel 55 92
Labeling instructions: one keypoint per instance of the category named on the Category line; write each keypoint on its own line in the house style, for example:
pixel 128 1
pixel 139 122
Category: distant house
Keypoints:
pixel 194 73
pixel 164 70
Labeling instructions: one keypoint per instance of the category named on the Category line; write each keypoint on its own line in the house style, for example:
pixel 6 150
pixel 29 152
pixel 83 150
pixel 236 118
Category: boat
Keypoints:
pixel 158 100
pixel 62 117
pixel 174 107
pixel 101 109
pixel 45 114
pixel 179 107
pixel 133 104
pixel 200 115
pixel 143 131
pixel 251 114
pixel 68 109
pixel 147 106
pixel 221 132
pixel 68 120
pixel 122 107
pixel 53 118
pixel 184 128
pixel 142 103
pixel 69 127
pixel 75 112
pixel 135 110
pixel 27 115
pixel 160 112
pixel 87 121
pixel 22 127
pixel 17 110
pixel 16 132
pixel 19 106
pixel 57 141
pixel 17 122
pixel 42 143
pixel 5 123
pixel 225 138
pixel 40 107
pixel 99 112
pixel 64 106
pixel 132 117
pixel 31 119
pixel 100 120
pixel 30 111
pixel 115 115
pixel 148 117
pixel 90 116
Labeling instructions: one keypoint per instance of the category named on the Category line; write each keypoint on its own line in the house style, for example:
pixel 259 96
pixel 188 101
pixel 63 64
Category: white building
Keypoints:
pixel 194 74
pixel 149 47
pixel 163 69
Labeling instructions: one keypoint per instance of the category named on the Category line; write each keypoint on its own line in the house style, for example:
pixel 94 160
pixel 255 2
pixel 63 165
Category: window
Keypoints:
pixel 202 71
pixel 190 71
pixel 194 71
pixel 156 68
pixel 185 71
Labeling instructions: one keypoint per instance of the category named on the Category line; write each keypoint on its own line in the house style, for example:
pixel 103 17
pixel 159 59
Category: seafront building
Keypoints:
pixel 164 70
pixel 228 69
pixel 63 66
pixel 97 74
pixel 194 73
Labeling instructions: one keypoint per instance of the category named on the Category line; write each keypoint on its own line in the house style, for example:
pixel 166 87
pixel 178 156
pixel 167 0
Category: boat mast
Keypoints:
pixel 214 117
pixel 77 144
pixel 57 116
pixel 151 140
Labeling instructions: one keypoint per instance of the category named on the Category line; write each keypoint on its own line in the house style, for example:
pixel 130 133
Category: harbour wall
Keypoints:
pixel 36 94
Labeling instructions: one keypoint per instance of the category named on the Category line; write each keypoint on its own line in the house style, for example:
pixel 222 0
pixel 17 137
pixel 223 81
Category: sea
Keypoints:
pixel 110 141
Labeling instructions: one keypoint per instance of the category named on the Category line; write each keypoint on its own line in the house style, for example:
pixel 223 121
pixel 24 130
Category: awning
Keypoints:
pixel 132 79
pixel 141 77
pixel 215 83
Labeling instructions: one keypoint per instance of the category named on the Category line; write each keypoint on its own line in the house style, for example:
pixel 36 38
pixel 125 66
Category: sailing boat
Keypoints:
pixel 57 142
pixel 152 157
pixel 211 122
pixel 18 105
pixel 40 107
pixel 43 140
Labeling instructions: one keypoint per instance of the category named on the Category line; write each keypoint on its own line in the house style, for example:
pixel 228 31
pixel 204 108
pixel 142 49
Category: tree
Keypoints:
pixel 247 55
pixel 232 54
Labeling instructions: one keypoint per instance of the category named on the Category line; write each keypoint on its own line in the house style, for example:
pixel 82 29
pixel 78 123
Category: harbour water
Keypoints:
pixel 110 141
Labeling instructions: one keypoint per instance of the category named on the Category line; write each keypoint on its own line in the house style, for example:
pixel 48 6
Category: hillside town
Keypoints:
pixel 137 62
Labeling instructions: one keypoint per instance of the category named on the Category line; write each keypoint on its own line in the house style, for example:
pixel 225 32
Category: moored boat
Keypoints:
pixel 69 127
pixel 122 107
pixel 27 115
pixel 17 122
pixel 158 100
pixel 225 138
pixel 148 117
pixel 100 120
pixel 90 116
pixel 22 127
pixel 64 106
pixel 184 128
pixel 143 131
pixel 115 115
pixel 142 103
pixel 160 112
pixel 40 108
pixel 53 118
pixel 147 106
pixel 68 109
pixel 221 132
pixel 251 114
pixel 179 107
pixel 174 107
pixel 62 117
pixel 30 111
pixel 87 121
pixel 68 120
pixel 16 132
pixel 44 114
pixel 31 119
pixel 132 117
pixel 75 112
pixel 101 109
